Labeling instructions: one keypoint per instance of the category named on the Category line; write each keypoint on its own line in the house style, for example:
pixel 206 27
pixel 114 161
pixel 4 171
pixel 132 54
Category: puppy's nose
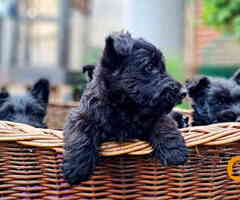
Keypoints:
pixel 183 92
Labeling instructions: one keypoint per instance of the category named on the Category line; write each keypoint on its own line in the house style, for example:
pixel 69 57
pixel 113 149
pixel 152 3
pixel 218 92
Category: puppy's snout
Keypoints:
pixel 183 92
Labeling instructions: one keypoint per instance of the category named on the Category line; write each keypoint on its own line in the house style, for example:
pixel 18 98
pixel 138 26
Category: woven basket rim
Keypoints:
pixel 58 104
pixel 215 134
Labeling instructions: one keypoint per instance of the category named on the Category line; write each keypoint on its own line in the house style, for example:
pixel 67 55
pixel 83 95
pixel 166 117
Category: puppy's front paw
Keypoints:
pixel 173 157
pixel 79 162
pixel 75 174
pixel 171 150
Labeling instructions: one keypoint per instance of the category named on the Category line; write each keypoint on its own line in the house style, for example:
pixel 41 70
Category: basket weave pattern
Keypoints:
pixel 30 167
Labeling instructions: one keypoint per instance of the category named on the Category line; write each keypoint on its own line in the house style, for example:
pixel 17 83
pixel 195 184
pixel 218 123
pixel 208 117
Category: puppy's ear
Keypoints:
pixel 89 69
pixel 118 45
pixel 3 95
pixel 197 86
pixel 236 77
pixel 40 90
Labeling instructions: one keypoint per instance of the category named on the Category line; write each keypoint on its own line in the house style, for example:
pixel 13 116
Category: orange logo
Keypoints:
pixel 230 168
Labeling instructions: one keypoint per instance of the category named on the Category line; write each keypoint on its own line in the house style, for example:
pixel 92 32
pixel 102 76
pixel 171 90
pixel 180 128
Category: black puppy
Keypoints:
pixel 215 100
pixel 30 108
pixel 129 97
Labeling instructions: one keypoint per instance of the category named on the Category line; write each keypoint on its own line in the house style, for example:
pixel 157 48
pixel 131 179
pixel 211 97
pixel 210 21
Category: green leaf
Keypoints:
pixel 237 35
pixel 224 15
pixel 236 21
pixel 234 5
pixel 237 31
pixel 220 3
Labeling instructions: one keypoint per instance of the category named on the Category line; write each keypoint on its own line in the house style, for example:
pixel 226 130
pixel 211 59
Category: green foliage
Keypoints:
pixel 175 67
pixel 223 15
pixel 92 55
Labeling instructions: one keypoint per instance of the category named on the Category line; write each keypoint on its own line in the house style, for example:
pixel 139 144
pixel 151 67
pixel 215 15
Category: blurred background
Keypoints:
pixel 55 38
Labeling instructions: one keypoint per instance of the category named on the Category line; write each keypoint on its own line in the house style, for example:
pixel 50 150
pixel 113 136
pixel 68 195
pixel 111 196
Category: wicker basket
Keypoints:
pixel 30 167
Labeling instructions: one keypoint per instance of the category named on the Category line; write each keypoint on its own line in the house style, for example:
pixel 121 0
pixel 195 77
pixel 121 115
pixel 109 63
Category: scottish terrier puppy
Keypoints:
pixel 130 97
pixel 30 108
pixel 215 100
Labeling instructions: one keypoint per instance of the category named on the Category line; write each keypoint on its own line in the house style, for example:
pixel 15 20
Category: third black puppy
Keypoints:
pixel 215 99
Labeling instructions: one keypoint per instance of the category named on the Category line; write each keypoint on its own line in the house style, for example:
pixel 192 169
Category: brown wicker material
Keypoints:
pixel 30 167
pixel 57 114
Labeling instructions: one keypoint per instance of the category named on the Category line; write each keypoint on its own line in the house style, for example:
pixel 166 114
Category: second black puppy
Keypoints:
pixel 30 108
pixel 129 97
pixel 215 100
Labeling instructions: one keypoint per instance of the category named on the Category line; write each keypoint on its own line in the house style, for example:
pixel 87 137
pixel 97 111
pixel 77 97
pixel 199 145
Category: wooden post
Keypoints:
pixel 157 25
pixel 27 38
pixel 14 37
pixel 1 40
pixel 64 35
pixel 86 11
pixel 190 56
pixel 27 43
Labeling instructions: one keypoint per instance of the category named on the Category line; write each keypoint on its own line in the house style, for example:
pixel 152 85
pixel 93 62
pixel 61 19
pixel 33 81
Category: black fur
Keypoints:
pixel 215 100
pixel 30 108
pixel 181 120
pixel 89 69
pixel 129 97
